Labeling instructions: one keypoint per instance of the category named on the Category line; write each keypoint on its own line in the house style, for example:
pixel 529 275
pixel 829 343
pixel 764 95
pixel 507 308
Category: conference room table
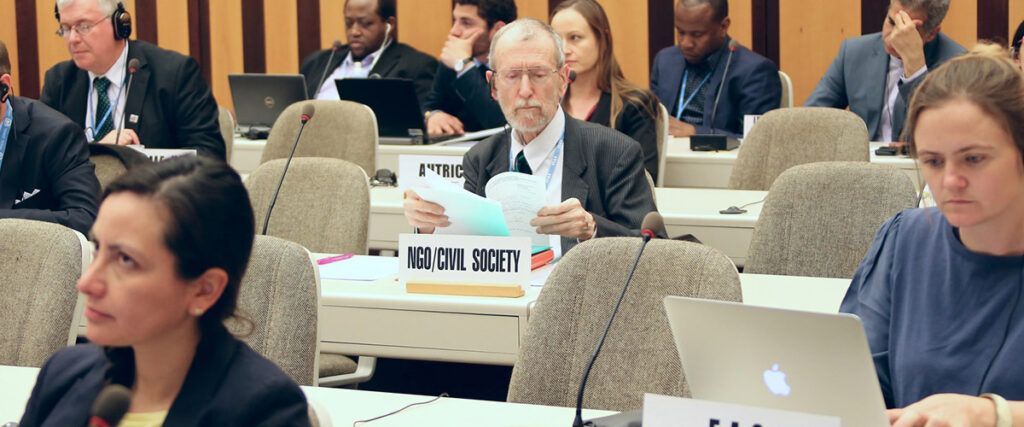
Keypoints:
pixel 344 407
pixel 684 168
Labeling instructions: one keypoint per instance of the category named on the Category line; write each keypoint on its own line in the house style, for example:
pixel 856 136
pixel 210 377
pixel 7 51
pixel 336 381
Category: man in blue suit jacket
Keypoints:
pixel 751 87
pixel 876 74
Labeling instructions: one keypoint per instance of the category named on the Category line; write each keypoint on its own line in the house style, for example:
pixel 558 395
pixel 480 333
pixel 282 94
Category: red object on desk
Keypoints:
pixel 541 258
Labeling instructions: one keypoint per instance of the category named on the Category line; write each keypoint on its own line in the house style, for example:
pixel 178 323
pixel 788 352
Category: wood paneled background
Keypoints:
pixel 274 35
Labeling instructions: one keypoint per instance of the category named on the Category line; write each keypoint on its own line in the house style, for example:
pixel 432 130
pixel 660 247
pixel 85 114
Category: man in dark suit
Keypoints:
pixel 876 74
pixel 45 172
pixel 169 105
pixel 459 100
pixel 688 78
pixel 594 175
pixel 371 51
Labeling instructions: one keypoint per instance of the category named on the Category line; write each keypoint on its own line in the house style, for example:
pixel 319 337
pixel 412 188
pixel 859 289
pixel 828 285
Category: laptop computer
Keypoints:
pixel 393 101
pixel 782 359
pixel 260 98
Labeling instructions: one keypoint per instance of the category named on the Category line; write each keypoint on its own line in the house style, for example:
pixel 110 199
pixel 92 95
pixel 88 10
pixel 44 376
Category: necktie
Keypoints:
pixel 102 105
pixel 522 165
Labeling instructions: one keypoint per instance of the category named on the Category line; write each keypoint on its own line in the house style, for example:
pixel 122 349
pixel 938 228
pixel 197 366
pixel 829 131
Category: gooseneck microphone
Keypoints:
pixel 110 406
pixel 651 224
pixel 327 67
pixel 307 113
pixel 725 73
pixel 133 66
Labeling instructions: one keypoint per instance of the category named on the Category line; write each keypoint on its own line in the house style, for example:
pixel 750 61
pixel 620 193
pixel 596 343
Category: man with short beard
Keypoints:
pixel 594 175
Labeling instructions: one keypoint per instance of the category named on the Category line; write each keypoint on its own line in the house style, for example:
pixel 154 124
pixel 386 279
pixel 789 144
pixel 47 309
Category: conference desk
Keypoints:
pixel 343 407
pixel 685 210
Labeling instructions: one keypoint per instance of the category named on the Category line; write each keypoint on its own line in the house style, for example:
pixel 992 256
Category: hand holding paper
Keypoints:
pixel 422 214
pixel 567 219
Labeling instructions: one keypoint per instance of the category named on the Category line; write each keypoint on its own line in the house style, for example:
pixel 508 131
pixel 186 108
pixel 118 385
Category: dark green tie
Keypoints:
pixel 522 165
pixel 102 105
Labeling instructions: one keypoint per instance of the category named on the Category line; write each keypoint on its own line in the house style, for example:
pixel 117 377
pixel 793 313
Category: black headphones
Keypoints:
pixel 121 19
pixel 3 92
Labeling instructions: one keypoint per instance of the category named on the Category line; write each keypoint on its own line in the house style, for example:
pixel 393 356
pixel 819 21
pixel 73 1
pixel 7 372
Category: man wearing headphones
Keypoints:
pixel 371 51
pixel 45 172
pixel 168 104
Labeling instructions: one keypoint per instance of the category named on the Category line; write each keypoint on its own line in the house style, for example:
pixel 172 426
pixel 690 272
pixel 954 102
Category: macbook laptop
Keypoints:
pixel 260 98
pixel 393 101
pixel 781 359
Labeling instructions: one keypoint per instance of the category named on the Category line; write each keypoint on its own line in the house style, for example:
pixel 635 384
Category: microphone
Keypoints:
pixel 715 142
pixel 133 66
pixel 110 406
pixel 307 113
pixel 327 67
pixel 725 73
pixel 651 224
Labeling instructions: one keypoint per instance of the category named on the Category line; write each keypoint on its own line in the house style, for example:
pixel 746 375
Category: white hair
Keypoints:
pixel 106 7
pixel 526 29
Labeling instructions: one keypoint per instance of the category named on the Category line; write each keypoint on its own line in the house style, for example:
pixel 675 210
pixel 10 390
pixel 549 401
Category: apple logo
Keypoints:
pixel 776 381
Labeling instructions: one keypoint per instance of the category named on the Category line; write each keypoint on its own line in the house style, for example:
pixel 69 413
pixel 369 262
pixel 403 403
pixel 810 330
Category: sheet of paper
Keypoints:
pixel 469 213
pixel 471 138
pixel 521 197
pixel 360 267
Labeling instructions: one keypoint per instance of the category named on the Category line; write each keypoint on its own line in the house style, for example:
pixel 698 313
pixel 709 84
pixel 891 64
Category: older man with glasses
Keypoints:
pixel 594 175
pixel 168 105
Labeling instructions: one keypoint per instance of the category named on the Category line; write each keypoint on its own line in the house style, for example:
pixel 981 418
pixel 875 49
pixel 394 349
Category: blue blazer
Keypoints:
pixel 752 87
pixel 228 384
pixel 856 79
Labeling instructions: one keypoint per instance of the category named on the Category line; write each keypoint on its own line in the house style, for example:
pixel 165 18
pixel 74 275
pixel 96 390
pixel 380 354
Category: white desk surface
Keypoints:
pixel 342 407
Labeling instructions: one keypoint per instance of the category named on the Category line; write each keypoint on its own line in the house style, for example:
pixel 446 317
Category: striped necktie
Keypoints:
pixel 102 106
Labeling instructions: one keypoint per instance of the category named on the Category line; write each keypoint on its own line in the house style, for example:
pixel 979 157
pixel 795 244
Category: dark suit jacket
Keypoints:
pixel 752 87
pixel 397 61
pixel 856 79
pixel 47 152
pixel 600 167
pixel 636 123
pixel 228 384
pixel 174 105
pixel 467 97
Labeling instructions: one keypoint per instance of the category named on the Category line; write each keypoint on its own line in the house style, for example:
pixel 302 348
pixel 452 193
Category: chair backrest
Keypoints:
pixel 663 138
pixel 324 203
pixel 227 130
pixel 639 354
pixel 787 90
pixel 39 266
pixel 650 182
pixel 113 160
pixel 819 219
pixel 792 136
pixel 280 295
pixel 339 129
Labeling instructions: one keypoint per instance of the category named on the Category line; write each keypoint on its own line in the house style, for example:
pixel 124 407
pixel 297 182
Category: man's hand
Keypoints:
pixel 128 137
pixel 906 40
pixel 946 410
pixel 459 48
pixel 424 215
pixel 442 123
pixel 680 129
pixel 567 219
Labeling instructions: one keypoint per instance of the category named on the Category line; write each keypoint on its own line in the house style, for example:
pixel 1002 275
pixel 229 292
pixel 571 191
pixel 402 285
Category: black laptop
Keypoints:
pixel 260 98
pixel 393 101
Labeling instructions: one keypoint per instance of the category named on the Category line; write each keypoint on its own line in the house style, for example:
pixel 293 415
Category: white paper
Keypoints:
pixel 469 213
pixel 473 137
pixel 475 260
pixel 748 123
pixel 521 196
pixel 409 167
pixel 360 267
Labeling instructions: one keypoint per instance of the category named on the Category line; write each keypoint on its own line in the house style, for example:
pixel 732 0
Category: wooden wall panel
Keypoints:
pixel 9 35
pixel 1015 16
pixel 282 36
pixel 536 9
pixel 809 38
pixel 961 23
pixel 332 22
pixel 172 27
pixel 431 21
pixel 225 46
pixel 629 22
pixel 51 47
pixel 741 29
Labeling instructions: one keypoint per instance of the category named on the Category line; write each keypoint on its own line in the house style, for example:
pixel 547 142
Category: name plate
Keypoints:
pixel 158 154
pixel 412 169
pixel 665 411
pixel 748 123
pixel 464 265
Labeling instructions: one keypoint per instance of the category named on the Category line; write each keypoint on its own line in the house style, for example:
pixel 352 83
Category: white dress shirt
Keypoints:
pixel 116 75
pixel 892 92
pixel 349 69
pixel 538 154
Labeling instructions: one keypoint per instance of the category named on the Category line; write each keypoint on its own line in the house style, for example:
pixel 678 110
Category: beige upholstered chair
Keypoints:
pixel 280 295
pixel 792 136
pixel 113 160
pixel 227 130
pixel 819 219
pixel 639 354
pixel 39 266
pixel 339 129
pixel 663 138
pixel 787 90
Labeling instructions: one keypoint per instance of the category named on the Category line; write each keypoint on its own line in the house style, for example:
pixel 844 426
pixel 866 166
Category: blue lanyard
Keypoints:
pixel 551 168
pixel 5 130
pixel 682 93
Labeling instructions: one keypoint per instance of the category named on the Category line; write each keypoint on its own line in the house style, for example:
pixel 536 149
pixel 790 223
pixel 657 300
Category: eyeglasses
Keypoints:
pixel 513 76
pixel 82 29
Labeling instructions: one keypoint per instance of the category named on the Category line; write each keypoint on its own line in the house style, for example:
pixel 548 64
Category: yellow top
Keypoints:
pixel 143 419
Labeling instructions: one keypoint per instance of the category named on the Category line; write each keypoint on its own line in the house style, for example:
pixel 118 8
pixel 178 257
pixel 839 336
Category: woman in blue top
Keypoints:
pixel 940 290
